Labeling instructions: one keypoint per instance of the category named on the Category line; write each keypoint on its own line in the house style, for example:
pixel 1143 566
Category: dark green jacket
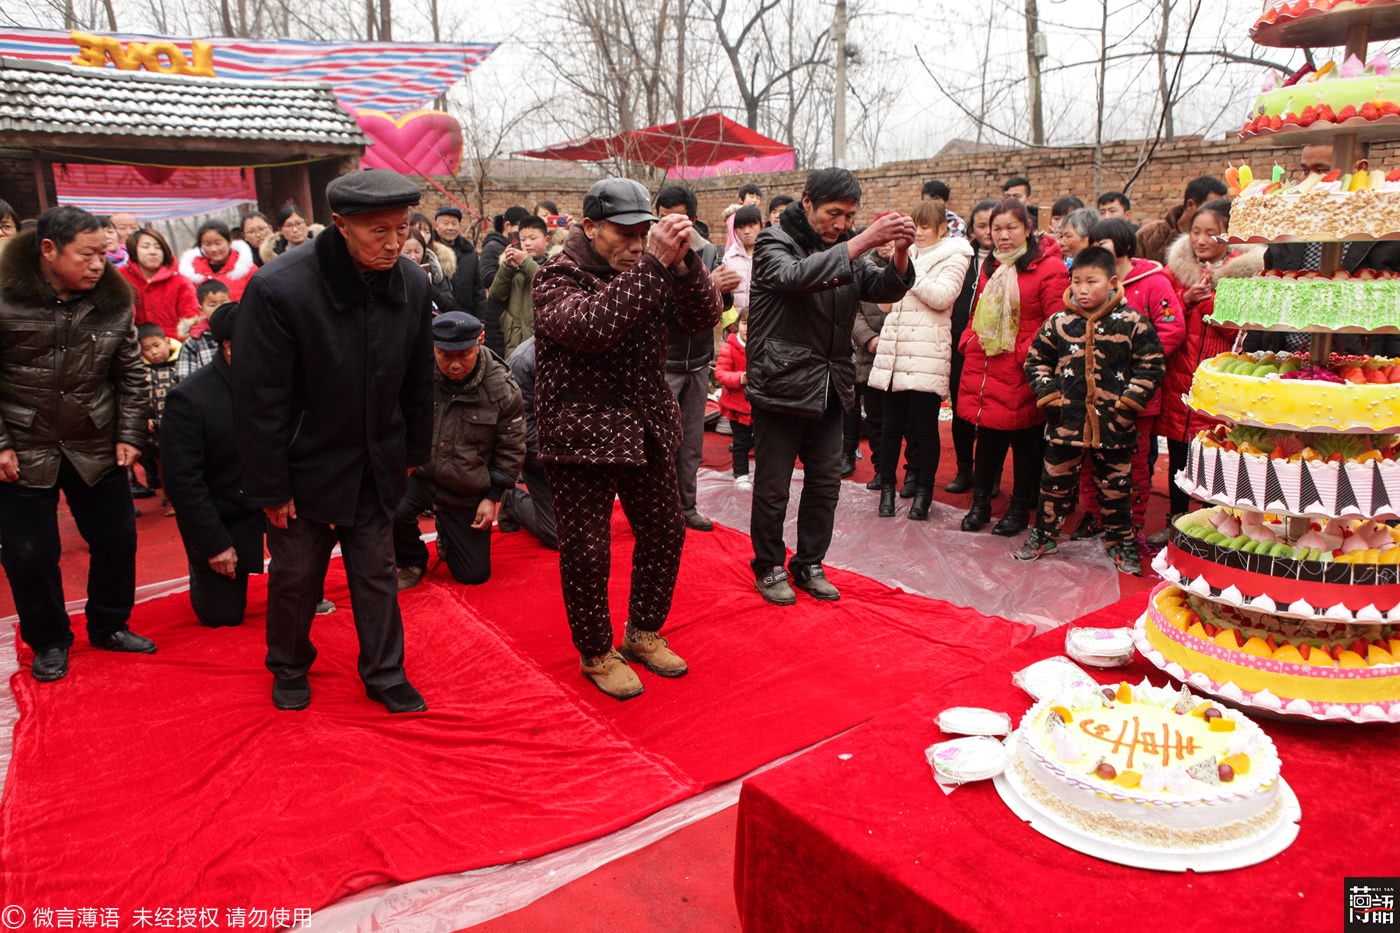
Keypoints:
pixel 511 290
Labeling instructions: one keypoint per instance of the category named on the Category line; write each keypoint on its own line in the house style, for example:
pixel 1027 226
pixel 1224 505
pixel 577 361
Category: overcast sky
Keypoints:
pixel 951 36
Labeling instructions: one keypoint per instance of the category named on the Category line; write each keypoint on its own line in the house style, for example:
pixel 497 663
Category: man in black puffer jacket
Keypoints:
pixel 809 277
pixel 73 410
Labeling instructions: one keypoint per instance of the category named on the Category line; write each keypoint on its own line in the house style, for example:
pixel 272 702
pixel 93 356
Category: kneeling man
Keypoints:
pixel 478 450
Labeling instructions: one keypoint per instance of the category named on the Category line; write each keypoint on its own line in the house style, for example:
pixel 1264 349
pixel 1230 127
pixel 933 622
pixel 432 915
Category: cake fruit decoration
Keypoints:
pixel 1225 772
pixel 1105 770
pixel 1128 779
pixel 1124 694
pixel 1207 770
pixel 1221 724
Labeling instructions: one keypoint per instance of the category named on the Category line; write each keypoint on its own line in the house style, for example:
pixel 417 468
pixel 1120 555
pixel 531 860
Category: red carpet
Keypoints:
pixel 170 781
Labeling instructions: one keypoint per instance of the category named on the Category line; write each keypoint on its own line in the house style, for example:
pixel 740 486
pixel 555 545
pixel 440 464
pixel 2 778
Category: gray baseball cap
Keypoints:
pixel 621 200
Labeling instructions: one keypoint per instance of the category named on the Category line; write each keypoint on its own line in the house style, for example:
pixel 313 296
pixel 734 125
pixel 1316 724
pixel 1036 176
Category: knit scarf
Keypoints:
pixel 997 319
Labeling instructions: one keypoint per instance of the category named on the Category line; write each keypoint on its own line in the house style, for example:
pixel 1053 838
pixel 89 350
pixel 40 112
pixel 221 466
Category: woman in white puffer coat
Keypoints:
pixel 914 356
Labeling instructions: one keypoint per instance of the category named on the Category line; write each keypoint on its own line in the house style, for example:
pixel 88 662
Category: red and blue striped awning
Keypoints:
pixel 394 77
pixel 390 77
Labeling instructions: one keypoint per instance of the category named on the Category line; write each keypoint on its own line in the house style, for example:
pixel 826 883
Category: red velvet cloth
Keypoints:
pixel 872 843
pixel 171 781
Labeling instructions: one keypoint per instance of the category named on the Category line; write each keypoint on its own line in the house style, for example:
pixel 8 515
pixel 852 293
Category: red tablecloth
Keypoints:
pixel 855 835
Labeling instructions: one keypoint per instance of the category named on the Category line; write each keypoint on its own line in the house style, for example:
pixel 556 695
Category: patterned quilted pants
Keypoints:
pixel 1112 470
pixel 583 499
pixel 1142 475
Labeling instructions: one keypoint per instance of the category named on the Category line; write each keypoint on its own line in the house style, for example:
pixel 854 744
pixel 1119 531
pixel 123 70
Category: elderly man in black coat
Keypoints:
pixel 222 532
pixel 333 402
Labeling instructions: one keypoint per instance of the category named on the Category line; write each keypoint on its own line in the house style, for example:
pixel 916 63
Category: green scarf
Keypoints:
pixel 997 319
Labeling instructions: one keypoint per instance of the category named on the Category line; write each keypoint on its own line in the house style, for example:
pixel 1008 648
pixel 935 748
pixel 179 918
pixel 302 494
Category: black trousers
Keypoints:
pixel 918 413
pixel 741 447
pixel 872 401
pixel 296 577
pixel 1177 454
pixel 534 509
pixel 964 432
pixel 584 493
pixel 466 550
pixel 217 600
pixel 1025 446
pixel 30 548
pixel 150 461
pixel 779 440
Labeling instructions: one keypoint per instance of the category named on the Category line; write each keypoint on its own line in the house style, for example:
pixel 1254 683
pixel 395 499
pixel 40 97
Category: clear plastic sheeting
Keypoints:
pixel 936 559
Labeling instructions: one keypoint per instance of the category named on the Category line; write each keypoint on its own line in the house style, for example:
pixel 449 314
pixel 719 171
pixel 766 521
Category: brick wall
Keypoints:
pixel 972 176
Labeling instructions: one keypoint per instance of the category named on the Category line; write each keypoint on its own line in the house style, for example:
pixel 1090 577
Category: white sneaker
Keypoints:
pixel 743 483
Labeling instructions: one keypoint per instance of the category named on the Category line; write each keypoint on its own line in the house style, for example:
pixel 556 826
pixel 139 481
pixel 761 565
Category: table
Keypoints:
pixel 856 835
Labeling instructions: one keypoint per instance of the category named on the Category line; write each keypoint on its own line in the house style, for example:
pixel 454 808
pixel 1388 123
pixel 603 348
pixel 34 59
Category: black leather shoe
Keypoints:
pixel 291 693
pixel 979 514
pixel 907 490
pixel 1016 520
pixel 887 500
pixel 923 499
pixel 400 698
pixel 50 664
pixel 961 483
pixel 813 582
pixel 140 490
pixel 125 640
pixel 848 466
pixel 874 483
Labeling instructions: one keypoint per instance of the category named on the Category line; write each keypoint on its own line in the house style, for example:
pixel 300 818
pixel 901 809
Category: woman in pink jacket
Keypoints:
pixel 1021 285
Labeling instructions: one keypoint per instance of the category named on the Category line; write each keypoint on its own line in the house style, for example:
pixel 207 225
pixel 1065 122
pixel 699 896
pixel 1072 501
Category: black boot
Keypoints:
pixel 907 490
pixel 923 498
pixel 887 497
pixel 1016 520
pixel 962 482
pixel 980 513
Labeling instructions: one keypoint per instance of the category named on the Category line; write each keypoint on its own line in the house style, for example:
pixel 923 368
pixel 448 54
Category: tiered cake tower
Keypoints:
pixel 1284 595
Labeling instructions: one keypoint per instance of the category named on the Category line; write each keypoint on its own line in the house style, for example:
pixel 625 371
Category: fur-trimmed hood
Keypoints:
pixel 195 267
pixel 1241 262
pixel 22 282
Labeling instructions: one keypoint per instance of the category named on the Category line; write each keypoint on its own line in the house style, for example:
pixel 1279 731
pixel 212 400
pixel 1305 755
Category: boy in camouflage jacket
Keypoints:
pixel 1092 367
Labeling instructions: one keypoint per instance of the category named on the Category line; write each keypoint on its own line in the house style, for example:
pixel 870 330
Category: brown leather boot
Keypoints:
pixel 409 577
pixel 610 674
pixel 652 652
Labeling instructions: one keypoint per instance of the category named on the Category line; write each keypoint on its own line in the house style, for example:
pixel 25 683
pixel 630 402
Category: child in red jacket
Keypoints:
pixel 731 372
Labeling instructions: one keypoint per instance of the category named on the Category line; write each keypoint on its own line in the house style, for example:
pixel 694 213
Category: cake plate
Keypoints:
pixel 1239 853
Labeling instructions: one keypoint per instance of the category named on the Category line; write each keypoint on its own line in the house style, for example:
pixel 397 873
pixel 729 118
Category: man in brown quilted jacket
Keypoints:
pixel 608 423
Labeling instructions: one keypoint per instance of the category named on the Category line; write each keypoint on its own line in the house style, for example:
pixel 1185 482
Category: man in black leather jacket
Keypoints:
pixel 809 277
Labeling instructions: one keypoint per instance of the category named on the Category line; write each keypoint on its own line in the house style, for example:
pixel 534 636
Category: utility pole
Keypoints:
pixel 838 129
pixel 1035 51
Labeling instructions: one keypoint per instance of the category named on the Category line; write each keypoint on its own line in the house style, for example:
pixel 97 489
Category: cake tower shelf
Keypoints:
pixel 1284 594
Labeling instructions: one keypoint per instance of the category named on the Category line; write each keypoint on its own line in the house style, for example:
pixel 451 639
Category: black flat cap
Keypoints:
pixel 456 330
pixel 449 211
pixel 222 320
pixel 374 189
pixel 621 200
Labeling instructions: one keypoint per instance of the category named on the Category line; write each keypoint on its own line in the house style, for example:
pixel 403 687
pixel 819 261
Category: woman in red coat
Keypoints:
pixel 1021 284
pixel 219 256
pixel 164 297
pixel 1196 262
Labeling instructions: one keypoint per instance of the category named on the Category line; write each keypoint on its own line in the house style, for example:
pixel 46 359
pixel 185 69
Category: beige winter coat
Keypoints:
pixel 915 353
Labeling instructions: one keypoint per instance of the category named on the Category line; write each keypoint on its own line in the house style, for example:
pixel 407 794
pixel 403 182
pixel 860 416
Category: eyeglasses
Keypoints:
pixel 294 223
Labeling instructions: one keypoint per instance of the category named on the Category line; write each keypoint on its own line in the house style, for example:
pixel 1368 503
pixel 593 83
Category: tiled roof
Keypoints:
pixel 38 97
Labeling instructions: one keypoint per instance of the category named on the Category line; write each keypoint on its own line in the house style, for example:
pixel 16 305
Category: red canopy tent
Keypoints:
pixel 703 140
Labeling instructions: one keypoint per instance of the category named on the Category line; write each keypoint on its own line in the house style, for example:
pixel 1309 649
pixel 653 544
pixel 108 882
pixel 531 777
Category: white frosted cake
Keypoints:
pixel 1150 766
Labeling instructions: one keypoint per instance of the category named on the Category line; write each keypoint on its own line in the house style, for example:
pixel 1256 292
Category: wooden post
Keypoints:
pixel 41 181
